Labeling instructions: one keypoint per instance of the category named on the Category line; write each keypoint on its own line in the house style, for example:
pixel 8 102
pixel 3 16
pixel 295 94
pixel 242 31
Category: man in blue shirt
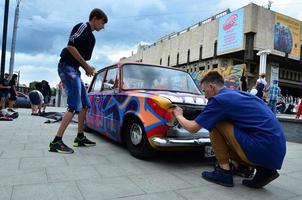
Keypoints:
pixel 243 129
pixel 274 92
pixel 78 51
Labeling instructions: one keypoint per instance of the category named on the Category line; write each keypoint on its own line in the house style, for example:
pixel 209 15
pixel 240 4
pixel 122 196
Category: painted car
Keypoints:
pixel 132 103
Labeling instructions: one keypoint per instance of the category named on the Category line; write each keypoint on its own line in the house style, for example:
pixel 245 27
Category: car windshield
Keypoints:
pixel 148 77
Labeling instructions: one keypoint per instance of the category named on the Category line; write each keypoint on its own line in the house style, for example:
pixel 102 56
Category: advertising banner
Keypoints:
pixel 287 35
pixel 230 33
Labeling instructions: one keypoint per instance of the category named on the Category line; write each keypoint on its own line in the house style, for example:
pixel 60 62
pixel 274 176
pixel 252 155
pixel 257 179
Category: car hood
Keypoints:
pixel 180 97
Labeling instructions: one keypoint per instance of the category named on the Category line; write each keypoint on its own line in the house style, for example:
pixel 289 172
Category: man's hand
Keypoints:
pixel 177 111
pixel 90 71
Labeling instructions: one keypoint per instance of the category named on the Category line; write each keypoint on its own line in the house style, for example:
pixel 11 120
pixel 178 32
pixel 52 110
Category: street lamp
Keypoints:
pixel 13 46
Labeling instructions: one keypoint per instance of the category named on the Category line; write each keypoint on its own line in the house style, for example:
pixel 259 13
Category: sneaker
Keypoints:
pixel 219 176
pixel 262 177
pixel 84 142
pixel 243 171
pixel 60 147
pixel 10 110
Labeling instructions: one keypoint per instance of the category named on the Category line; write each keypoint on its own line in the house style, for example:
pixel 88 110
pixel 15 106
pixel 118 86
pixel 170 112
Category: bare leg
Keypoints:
pixel 81 119
pixel 65 122
pixel 2 103
pixel 11 104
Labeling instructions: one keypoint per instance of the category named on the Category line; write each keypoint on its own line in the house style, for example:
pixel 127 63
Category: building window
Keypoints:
pixel 201 68
pixel 299 77
pixel 160 61
pixel 188 56
pixel 291 76
pixel 215 66
pixel 168 60
pixel 200 53
pixel 177 59
pixel 215 48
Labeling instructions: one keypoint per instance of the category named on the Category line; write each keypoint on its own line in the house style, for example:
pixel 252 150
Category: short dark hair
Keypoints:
pixel 14 76
pixel 213 77
pixel 99 14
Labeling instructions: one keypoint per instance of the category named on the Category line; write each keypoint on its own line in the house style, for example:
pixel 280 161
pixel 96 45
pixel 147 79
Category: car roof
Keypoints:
pixel 139 63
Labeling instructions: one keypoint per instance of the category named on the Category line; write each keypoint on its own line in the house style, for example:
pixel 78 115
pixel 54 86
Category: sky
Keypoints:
pixel 44 27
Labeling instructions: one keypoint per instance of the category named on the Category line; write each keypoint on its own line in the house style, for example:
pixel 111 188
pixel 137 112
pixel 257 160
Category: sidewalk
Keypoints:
pixel 29 172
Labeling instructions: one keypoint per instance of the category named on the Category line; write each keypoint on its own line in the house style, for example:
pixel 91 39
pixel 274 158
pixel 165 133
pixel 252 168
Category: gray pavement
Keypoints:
pixel 29 172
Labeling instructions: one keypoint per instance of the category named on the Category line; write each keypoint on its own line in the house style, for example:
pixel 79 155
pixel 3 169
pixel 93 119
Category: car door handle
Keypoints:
pixel 97 99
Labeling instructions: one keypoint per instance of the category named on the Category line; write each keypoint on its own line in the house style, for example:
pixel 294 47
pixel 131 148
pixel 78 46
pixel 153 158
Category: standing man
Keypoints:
pixel 238 133
pixel 77 52
pixel 4 89
pixel 274 92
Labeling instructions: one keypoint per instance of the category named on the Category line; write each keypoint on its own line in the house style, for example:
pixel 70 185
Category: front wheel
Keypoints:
pixel 136 140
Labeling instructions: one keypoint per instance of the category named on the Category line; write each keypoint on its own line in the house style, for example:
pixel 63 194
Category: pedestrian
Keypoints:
pixel 13 93
pixel 4 90
pixel 36 100
pixel 78 51
pixel 238 133
pixel 46 91
pixel 243 81
pixel 274 92
pixel 299 111
pixel 261 86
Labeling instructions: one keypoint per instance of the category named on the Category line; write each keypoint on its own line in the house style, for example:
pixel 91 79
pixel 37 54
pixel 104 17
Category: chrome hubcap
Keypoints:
pixel 136 134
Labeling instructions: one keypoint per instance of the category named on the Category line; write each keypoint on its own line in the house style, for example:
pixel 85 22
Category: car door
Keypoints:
pixel 93 117
pixel 110 107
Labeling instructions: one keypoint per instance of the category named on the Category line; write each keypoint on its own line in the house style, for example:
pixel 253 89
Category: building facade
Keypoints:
pixel 231 38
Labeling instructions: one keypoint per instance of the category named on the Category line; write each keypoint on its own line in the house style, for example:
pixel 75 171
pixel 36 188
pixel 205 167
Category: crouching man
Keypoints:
pixel 242 129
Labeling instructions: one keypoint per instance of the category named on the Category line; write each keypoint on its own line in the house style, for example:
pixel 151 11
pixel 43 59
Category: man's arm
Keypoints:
pixel 189 125
pixel 75 53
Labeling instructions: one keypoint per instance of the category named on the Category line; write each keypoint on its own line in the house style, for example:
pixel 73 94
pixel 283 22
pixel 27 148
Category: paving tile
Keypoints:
pixel 210 192
pixel 269 192
pixel 9 163
pixel 159 182
pixel 22 153
pixel 5 192
pixel 42 162
pixel 108 188
pixel 22 176
pixel 156 196
pixel 51 191
pixel 78 159
pixel 70 173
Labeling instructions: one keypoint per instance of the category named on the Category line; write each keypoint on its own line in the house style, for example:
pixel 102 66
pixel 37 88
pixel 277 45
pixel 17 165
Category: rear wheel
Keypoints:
pixel 136 140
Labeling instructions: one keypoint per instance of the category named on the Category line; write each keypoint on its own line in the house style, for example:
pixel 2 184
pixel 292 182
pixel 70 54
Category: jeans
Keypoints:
pixel 76 93
pixel 272 105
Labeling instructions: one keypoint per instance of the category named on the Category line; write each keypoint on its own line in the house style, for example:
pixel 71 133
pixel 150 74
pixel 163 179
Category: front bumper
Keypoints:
pixel 174 142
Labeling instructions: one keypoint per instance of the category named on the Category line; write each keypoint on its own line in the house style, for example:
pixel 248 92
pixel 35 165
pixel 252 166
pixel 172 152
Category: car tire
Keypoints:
pixel 136 140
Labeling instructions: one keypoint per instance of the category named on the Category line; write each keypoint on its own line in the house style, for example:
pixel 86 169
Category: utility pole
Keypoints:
pixel 4 36
pixel 13 46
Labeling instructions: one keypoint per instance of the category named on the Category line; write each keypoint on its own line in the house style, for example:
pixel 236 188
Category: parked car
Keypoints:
pixel 22 101
pixel 132 104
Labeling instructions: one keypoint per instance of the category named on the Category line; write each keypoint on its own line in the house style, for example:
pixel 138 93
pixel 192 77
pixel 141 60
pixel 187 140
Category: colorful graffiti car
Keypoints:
pixel 132 104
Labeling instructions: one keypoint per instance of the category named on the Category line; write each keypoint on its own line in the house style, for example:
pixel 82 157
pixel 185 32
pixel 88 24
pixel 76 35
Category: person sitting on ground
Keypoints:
pixel 36 100
pixel 13 93
pixel 238 133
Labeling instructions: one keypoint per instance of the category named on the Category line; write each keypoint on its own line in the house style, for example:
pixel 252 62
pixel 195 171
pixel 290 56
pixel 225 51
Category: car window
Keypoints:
pixel 97 84
pixel 157 78
pixel 110 81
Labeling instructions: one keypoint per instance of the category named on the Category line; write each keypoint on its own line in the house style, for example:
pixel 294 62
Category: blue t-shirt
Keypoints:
pixel 255 126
